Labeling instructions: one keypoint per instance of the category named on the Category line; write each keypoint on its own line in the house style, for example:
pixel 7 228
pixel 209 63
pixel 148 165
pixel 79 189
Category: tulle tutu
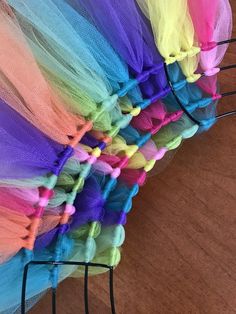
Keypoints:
pixel 93 94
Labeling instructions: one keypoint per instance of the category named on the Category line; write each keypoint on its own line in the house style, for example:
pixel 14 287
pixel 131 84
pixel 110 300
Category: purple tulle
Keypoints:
pixel 114 218
pixel 89 140
pixel 89 206
pixel 46 239
pixel 122 23
pixel 25 151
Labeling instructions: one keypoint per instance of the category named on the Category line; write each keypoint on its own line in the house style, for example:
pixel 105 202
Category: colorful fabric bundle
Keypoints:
pixel 92 94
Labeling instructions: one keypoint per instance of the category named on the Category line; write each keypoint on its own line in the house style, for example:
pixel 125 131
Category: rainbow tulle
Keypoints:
pixel 93 93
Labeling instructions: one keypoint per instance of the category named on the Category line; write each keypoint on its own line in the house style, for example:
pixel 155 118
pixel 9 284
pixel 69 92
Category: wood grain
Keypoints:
pixel 180 249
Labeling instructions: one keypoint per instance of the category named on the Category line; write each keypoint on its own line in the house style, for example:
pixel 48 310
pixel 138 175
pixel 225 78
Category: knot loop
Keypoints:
pixel 193 51
pixel 190 132
pixel 180 56
pixel 160 153
pixel 193 78
pixel 109 103
pixel 135 111
pixel 149 165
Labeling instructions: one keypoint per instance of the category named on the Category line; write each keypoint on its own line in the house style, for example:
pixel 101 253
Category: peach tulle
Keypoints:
pixel 13 230
pixel 23 86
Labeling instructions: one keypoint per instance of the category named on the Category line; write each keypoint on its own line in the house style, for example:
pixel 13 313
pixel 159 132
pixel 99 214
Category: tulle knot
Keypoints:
pixel 193 78
pixel 102 145
pixel 97 152
pixel 180 56
pixel 109 103
pixel 208 46
pixel 149 165
pixel 115 173
pixel 124 121
pixel 170 59
pixel 193 51
pixel 65 155
pixel 135 111
pixel 92 159
pixel 173 144
pixel 160 153
pixel 190 132
pixel 216 97
pixel 212 72
pixel 70 209
pixel 131 150
pixel 77 137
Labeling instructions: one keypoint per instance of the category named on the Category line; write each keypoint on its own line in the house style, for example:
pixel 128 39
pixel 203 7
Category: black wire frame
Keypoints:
pixel 182 107
pixel 54 290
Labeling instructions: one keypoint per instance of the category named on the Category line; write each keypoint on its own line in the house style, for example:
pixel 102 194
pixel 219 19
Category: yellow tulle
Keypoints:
pixel 174 33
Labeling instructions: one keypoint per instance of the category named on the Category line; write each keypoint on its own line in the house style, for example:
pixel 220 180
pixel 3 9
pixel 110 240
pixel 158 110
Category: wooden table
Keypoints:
pixel 180 249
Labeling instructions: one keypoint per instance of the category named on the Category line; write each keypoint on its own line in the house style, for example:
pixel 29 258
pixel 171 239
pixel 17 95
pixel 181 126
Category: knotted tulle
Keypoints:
pixel 167 19
pixel 212 21
pixel 122 24
pixel 25 151
pixel 67 61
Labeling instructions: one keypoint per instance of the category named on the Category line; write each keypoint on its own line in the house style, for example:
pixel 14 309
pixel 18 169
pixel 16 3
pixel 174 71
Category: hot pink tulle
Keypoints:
pixel 14 202
pixel 154 117
pixel 212 20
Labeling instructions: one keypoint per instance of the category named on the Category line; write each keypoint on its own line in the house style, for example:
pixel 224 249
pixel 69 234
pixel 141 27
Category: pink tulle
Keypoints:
pixel 150 117
pixel 14 202
pixel 110 159
pixel 212 20
pixel 102 167
pixel 208 84
pixel 150 151
pixel 154 117
pixel 31 196
pixel 81 154
pixel 203 14
pixel 133 176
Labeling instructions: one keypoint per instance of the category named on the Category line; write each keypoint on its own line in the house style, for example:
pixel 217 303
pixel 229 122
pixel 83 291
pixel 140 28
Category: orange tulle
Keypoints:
pixel 14 231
